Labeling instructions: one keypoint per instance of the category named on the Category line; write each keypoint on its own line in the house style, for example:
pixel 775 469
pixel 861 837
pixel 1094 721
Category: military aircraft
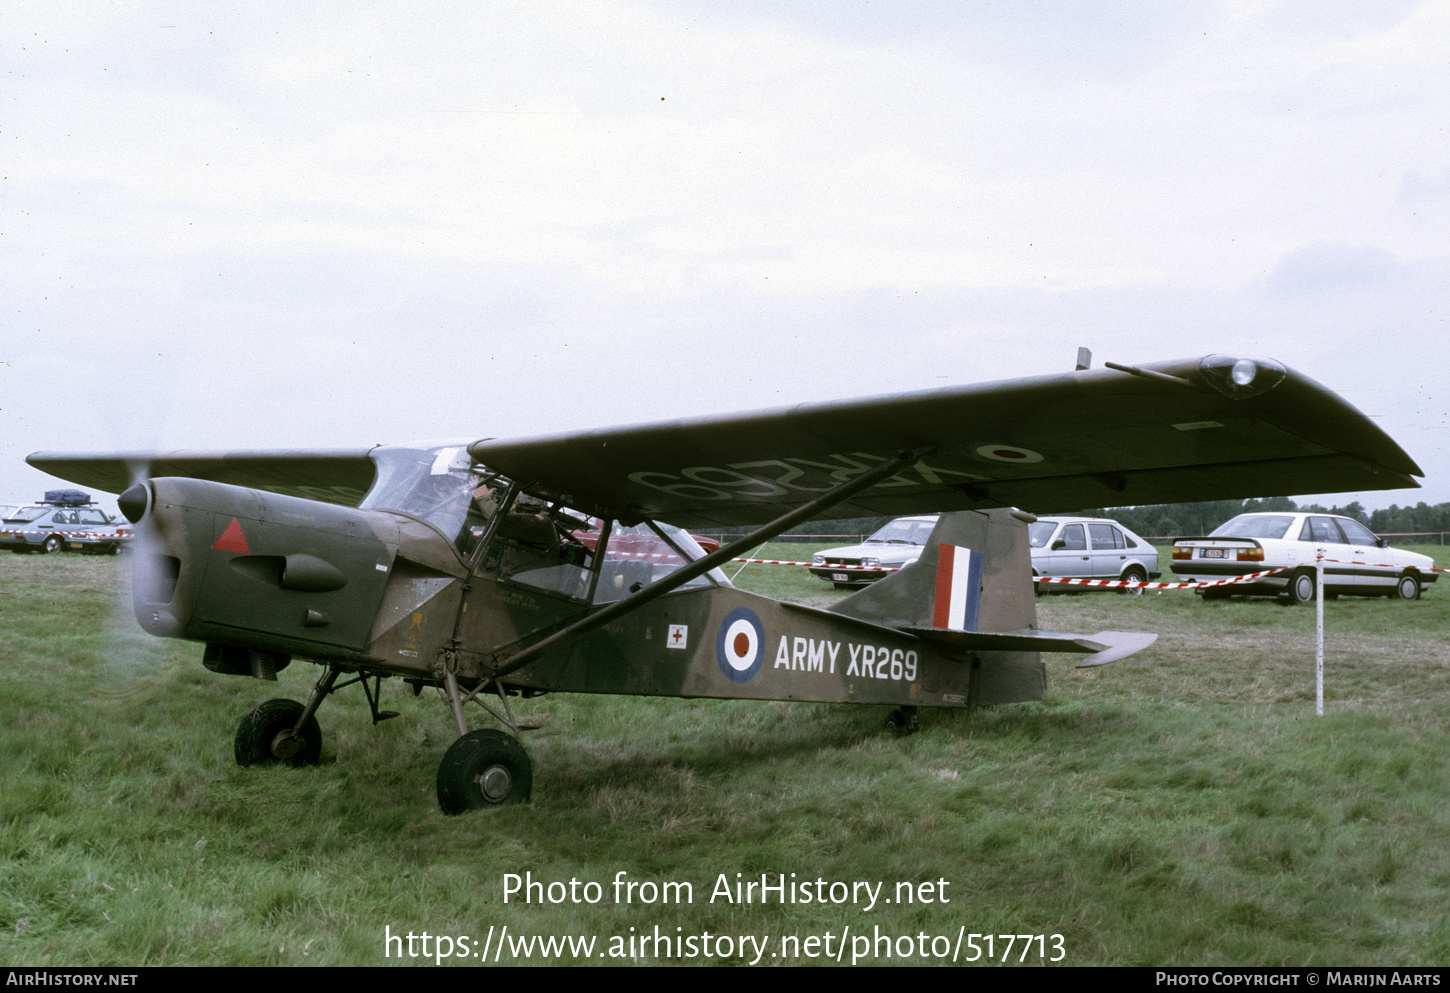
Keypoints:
pixel 506 568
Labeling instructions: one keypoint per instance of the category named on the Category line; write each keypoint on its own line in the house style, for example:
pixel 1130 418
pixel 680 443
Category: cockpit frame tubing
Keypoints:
pixel 596 566
pixel 684 555
pixel 510 494
pixel 703 565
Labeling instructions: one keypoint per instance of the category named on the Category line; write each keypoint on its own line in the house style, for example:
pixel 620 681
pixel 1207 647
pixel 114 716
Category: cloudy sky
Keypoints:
pixel 288 225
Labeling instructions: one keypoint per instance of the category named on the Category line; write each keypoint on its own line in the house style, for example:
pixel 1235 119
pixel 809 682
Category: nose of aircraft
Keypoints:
pixel 240 567
pixel 133 502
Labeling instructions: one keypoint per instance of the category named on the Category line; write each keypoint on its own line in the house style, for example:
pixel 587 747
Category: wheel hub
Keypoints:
pixel 494 783
pixel 287 744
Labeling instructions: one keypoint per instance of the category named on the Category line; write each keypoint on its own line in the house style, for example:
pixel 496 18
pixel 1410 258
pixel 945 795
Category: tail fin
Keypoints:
pixel 971 595
pixel 975 574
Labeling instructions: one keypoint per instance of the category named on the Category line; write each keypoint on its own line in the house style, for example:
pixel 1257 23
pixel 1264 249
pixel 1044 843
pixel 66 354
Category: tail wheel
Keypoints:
pixel 1301 587
pixel 267 736
pixel 483 769
pixel 903 720
pixel 1407 587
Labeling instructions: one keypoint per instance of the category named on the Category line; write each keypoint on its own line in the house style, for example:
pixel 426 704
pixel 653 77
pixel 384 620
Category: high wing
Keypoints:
pixel 1201 429
pixel 340 476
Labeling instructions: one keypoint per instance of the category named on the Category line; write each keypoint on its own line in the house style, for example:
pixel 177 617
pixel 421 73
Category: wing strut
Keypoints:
pixel 718 557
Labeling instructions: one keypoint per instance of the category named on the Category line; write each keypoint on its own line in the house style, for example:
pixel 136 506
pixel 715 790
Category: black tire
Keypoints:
pixel 902 723
pixel 1407 587
pixel 1301 587
pixel 483 769
pixel 52 543
pixel 259 736
pixel 1215 593
pixel 1133 574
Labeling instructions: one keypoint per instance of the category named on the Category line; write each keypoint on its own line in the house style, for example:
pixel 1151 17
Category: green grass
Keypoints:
pixel 1184 806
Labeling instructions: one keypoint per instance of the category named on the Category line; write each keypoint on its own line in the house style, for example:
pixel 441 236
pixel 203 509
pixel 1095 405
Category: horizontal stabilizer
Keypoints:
pixel 1105 646
pixel 1026 640
pixel 1120 644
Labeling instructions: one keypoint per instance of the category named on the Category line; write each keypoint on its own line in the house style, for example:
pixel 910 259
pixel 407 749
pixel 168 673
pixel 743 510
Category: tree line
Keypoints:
pixel 1171 520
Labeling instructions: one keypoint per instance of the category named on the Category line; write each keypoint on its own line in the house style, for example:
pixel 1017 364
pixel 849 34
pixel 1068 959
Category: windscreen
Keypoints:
pixel 904 532
pixel 441 484
pixel 1039 532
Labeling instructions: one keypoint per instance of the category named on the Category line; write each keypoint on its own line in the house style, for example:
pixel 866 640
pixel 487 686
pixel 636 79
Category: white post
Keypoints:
pixel 1319 632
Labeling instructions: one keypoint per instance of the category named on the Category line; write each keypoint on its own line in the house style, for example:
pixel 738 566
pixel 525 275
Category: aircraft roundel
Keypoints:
pixel 740 645
pixel 1009 453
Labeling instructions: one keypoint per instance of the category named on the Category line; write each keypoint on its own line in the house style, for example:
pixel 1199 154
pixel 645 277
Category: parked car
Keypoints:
pixel 895 545
pixel 1089 548
pixel 1357 562
pixel 65 519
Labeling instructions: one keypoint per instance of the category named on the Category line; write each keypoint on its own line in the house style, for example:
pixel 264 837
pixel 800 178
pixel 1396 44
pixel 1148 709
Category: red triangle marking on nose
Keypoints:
pixel 232 539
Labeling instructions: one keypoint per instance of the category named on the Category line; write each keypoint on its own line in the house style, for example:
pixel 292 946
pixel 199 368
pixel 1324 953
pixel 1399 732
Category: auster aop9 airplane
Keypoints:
pixel 509 568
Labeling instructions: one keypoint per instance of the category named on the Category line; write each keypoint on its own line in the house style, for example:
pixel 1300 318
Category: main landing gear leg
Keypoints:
pixel 284 730
pixel 481 769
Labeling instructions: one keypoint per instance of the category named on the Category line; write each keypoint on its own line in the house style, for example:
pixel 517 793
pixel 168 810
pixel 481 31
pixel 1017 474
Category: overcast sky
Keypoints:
pixel 290 225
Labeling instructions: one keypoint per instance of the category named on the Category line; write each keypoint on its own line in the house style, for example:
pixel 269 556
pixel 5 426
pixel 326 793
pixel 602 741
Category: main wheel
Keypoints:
pixel 52 543
pixel 266 736
pixel 1301 587
pixel 483 769
pixel 1407 587
pixel 1133 574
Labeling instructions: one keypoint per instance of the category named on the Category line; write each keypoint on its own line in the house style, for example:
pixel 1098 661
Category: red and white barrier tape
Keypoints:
pixel 825 565
pixel 1128 583
pixel 1125 583
pixel 72 534
pixel 1378 565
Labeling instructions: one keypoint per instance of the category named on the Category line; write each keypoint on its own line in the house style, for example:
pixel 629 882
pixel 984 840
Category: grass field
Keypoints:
pixel 1184 806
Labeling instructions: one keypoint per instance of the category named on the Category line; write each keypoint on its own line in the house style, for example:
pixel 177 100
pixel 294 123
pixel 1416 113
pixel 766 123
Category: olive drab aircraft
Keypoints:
pixel 506 568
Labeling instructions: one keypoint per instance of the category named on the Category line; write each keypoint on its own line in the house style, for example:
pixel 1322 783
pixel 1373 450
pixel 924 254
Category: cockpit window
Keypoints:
pixel 442 484
pixel 636 556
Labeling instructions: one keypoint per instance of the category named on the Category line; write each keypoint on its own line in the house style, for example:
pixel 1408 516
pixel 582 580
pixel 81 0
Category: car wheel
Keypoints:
pixel 1407 587
pixel 1301 587
pixel 1215 593
pixel 1133 574
pixel 483 769
pixel 265 736
pixel 52 543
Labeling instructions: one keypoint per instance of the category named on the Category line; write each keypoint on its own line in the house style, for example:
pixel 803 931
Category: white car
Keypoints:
pixel 1088 548
pixel 897 544
pixel 1357 563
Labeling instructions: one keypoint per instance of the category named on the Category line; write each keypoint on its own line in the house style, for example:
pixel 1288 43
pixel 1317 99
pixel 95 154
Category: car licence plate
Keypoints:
pixel 840 577
pixel 1213 553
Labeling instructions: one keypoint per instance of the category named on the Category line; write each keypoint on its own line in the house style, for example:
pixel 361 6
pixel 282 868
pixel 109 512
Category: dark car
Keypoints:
pixel 65 519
